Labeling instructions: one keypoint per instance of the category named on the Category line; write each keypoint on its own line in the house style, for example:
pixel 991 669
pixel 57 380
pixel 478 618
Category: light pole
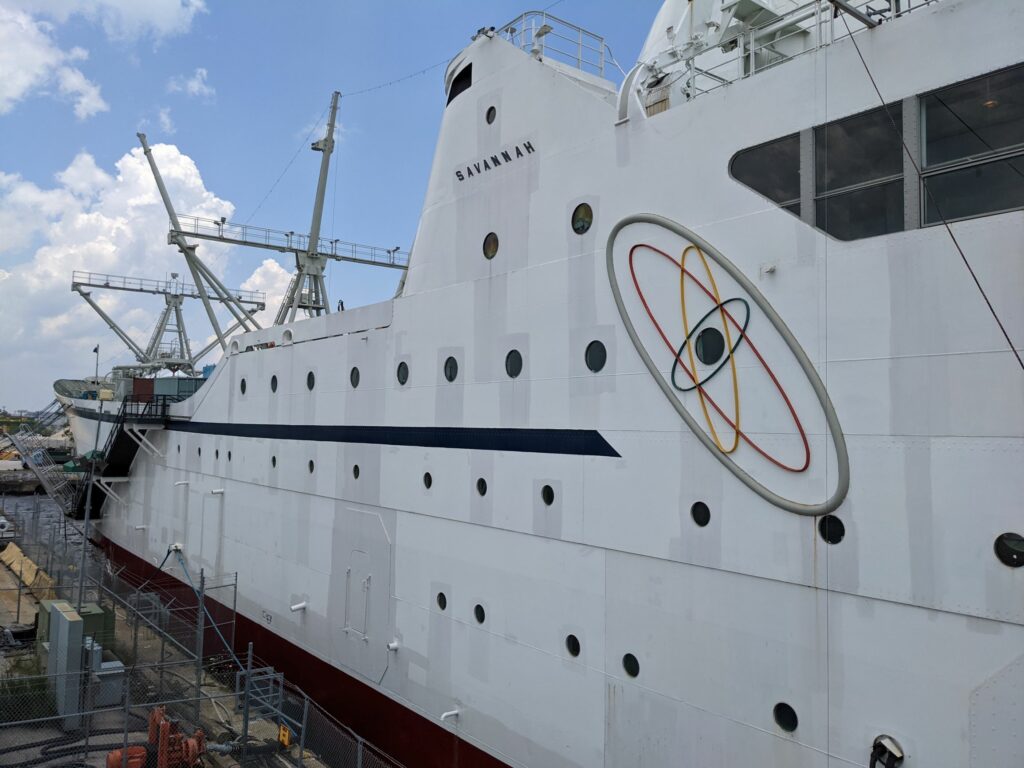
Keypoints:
pixel 88 489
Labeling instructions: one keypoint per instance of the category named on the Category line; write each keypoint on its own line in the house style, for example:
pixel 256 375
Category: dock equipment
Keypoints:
pixel 168 346
pixel 307 290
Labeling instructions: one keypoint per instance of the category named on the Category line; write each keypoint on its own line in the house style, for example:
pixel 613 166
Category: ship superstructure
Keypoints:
pixel 689 439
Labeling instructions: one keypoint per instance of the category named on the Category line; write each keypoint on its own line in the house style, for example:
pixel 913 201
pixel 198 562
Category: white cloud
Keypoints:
pixel 99 221
pixel 30 61
pixel 86 94
pixel 122 19
pixel 273 279
pixel 192 86
pixel 166 123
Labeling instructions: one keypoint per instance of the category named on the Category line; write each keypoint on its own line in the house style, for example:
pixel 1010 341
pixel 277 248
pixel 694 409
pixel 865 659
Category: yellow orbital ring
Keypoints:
pixel 728 347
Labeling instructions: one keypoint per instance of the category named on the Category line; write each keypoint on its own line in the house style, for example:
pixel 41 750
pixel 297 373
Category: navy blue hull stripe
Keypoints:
pixel 110 415
pixel 572 442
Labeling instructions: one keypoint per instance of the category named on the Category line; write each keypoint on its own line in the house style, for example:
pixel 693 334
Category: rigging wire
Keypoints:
pixel 288 165
pixel 931 198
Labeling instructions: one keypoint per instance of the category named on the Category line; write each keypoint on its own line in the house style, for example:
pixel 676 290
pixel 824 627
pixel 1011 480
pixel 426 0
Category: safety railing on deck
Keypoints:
pixel 545 35
pixel 764 39
pixel 220 230
pixel 173 287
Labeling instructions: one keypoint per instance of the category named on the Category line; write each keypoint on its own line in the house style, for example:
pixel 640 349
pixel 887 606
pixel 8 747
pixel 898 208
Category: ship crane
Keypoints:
pixel 307 290
pixel 168 346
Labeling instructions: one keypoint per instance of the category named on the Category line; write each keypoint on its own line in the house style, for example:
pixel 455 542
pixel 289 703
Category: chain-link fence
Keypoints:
pixel 157 675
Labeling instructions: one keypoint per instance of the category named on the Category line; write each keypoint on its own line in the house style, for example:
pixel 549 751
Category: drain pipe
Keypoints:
pixel 453 714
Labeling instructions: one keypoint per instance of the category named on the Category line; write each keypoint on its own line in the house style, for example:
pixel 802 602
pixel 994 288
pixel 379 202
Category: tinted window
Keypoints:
pixel 976 190
pixel 972 118
pixel 460 82
pixel 858 149
pixel 773 169
pixel 865 212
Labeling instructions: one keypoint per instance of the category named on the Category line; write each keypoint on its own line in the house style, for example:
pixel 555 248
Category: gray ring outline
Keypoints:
pixel 838 439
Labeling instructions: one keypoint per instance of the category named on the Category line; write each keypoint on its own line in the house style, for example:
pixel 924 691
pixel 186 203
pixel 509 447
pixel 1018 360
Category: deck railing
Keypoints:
pixel 545 35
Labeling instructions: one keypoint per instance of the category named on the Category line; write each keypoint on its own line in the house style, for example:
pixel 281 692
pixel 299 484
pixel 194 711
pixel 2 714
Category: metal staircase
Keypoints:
pixel 136 416
pixel 55 481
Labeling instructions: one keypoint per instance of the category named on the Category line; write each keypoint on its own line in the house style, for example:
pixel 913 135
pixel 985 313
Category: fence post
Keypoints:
pixel 200 629
pixel 21 581
pixel 135 627
pixel 359 751
pixel 245 704
pixel 85 708
pixel 127 717
pixel 302 733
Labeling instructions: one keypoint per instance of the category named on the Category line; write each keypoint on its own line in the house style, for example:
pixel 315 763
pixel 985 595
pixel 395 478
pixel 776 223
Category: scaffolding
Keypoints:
pixel 158 677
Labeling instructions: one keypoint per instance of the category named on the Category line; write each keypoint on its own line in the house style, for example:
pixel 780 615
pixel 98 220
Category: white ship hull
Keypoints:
pixel 86 418
pixel 909 626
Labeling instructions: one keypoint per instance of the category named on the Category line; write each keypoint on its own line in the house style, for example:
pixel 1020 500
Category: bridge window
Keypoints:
pixel 773 169
pixel 460 82
pixel 973 143
pixel 858 172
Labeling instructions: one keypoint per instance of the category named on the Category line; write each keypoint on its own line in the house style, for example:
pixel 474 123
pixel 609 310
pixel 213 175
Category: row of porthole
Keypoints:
pixel 547 493
pixel 1008 547
pixel 595 356
pixel 784 714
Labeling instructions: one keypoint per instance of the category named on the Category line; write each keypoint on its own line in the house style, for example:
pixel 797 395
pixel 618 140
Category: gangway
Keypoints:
pixel 55 481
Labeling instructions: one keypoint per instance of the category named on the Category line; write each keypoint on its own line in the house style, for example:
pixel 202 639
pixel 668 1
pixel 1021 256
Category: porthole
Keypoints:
pixel 785 717
pixel 310 381
pixel 710 346
pixel 241 386
pixel 273 383
pixel 402 373
pixel 216 454
pixel 442 601
pixel 312 466
pixel 701 513
pixel 229 455
pixel 1010 549
pixel 513 363
pixel 596 356
pixel 199 451
pixel 478 612
pixel 427 480
pixel 572 645
pixel 831 529
pixel 353 377
pixel 490 245
pixel 631 665
pixel 179 447
pixel 547 495
pixel 355 471
pixel 582 218
pixel 481 486
pixel 451 369
pixel 491 114
pixel 273 461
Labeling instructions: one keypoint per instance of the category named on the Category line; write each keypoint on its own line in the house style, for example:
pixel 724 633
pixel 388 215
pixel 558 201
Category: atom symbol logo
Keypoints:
pixel 698 343
pixel 731 329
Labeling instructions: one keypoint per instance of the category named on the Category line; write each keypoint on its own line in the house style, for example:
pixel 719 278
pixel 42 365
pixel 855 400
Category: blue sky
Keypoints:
pixel 235 87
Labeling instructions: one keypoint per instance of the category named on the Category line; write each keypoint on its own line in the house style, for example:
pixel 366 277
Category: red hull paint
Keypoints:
pixel 405 735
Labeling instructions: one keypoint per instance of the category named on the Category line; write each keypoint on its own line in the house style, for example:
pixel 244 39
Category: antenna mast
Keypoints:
pixel 307 289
